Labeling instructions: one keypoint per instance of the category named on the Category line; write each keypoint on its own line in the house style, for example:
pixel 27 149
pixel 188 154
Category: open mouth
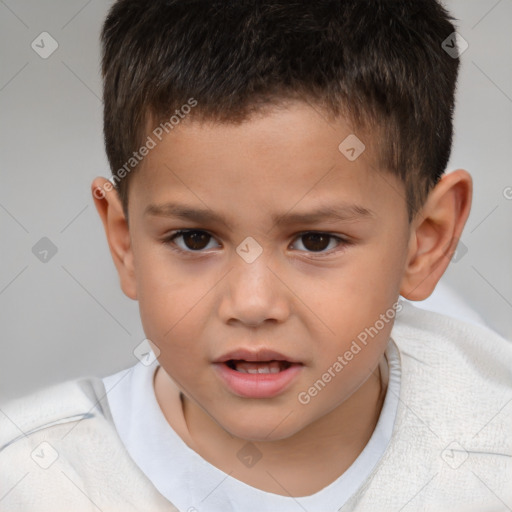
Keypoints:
pixel 258 379
pixel 273 366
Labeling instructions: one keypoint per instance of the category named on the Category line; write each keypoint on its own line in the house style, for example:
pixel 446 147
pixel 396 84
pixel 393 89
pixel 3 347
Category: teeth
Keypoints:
pixel 257 367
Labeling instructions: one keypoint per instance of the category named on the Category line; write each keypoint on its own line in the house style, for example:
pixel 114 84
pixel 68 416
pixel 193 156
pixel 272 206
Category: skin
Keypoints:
pixel 196 306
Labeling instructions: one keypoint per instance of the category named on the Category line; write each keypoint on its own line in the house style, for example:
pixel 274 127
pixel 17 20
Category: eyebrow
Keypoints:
pixel 334 213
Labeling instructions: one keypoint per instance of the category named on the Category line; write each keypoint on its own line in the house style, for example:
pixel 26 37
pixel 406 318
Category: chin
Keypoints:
pixel 260 427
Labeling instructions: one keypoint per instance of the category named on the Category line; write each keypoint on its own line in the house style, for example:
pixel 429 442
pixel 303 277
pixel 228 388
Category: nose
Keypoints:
pixel 253 294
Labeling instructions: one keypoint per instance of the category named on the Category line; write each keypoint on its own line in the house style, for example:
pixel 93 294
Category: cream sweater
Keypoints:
pixel 451 449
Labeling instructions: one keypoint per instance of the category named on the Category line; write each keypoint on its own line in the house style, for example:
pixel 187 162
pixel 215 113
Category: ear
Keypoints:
pixel 435 233
pixel 110 210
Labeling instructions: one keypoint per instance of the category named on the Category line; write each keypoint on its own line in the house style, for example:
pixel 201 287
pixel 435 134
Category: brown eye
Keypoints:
pixel 321 243
pixel 316 241
pixel 194 240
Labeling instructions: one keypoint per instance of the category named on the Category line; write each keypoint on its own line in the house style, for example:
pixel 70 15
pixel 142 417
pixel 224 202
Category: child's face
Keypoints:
pixel 307 298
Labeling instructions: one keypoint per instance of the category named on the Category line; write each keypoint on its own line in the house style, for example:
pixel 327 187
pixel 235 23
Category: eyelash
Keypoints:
pixel 169 241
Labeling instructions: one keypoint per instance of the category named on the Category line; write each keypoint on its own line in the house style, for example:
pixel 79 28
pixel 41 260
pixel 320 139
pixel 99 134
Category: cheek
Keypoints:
pixel 359 292
pixel 159 283
pixel 172 308
pixel 164 301
pixel 357 307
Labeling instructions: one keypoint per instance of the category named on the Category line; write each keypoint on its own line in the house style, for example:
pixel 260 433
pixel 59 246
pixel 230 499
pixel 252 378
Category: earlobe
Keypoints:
pixel 110 210
pixel 435 233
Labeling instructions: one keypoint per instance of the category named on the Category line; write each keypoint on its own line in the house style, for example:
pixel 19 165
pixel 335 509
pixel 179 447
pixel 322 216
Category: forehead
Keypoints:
pixel 287 156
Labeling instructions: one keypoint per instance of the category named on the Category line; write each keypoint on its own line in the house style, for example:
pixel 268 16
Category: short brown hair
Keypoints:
pixel 379 63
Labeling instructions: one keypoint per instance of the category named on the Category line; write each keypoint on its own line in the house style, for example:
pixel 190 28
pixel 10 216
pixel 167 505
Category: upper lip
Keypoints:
pixel 262 354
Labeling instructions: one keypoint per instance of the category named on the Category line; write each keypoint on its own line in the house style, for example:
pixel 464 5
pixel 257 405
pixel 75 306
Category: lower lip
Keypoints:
pixel 257 385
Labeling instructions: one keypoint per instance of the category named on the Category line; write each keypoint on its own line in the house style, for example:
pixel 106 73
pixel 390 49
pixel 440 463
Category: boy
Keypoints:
pixel 278 170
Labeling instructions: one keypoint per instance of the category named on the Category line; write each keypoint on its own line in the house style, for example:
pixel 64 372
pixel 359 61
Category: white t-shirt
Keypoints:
pixel 193 484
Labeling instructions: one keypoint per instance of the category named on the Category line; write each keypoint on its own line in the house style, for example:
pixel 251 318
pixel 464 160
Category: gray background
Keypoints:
pixel 68 317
